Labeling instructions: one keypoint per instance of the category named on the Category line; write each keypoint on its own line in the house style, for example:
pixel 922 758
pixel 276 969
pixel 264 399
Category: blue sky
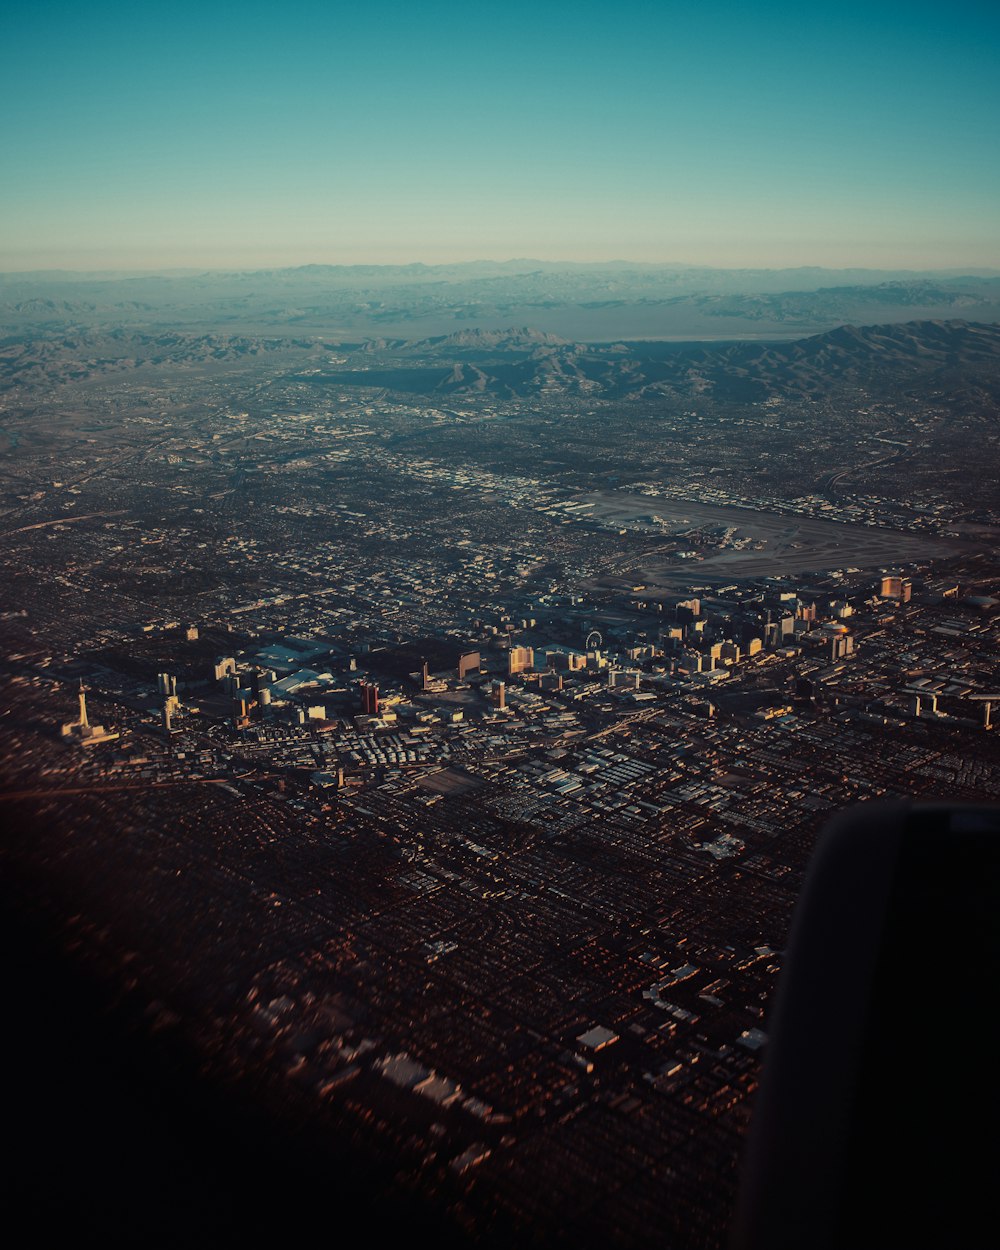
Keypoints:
pixel 156 135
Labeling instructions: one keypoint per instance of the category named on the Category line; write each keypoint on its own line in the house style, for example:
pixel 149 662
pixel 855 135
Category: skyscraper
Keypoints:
pixel 467 663
pixel 520 660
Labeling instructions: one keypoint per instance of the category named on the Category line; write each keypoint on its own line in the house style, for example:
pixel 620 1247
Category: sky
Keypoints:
pixel 165 135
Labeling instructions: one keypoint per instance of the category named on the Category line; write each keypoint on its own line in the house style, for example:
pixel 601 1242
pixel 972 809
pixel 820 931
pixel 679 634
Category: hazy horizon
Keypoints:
pixel 778 137
pixel 76 264
pixel 971 270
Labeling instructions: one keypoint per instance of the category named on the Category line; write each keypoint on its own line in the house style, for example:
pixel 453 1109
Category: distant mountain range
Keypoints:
pixel 584 303
pixel 956 359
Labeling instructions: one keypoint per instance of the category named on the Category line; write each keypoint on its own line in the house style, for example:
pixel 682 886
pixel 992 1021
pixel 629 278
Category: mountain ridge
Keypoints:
pixel 593 303
pixel 961 358
pixel 881 357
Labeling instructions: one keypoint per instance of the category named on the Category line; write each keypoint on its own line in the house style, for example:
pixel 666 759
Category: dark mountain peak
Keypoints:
pixel 512 338
pixel 907 336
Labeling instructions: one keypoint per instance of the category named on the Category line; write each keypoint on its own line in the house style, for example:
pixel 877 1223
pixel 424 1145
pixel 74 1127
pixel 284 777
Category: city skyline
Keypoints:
pixel 424 690
pixel 778 138
pixel 502 965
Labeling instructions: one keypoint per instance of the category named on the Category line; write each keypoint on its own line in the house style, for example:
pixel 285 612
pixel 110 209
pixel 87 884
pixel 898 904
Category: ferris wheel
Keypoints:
pixel 594 641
